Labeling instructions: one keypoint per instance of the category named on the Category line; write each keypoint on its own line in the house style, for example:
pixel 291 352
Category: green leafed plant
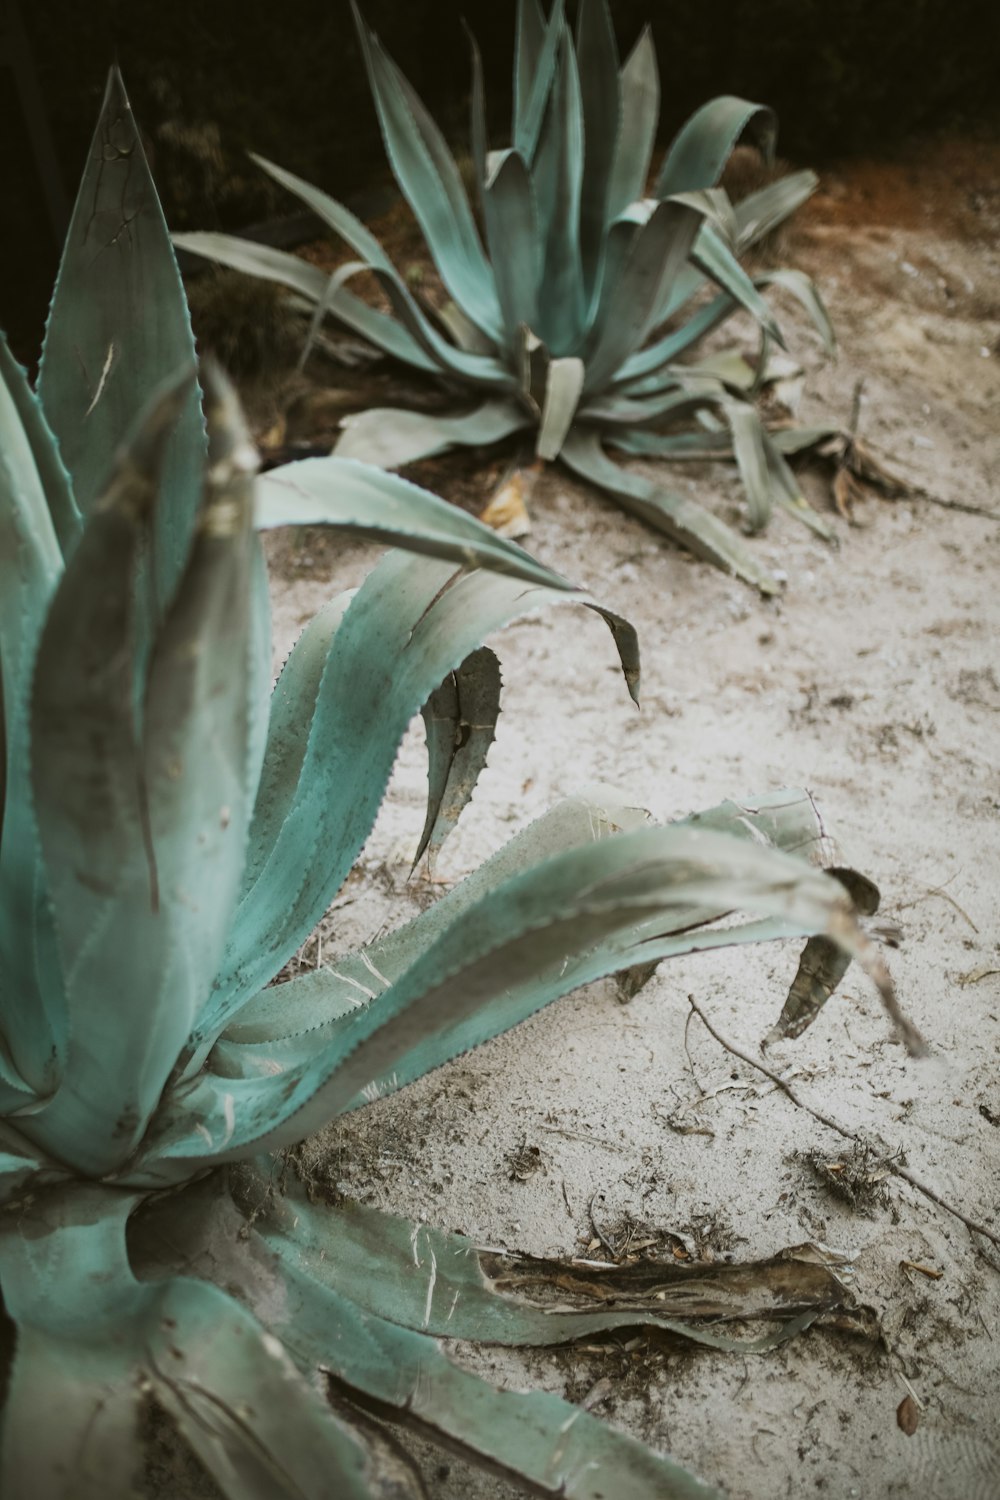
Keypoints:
pixel 579 316
pixel 173 829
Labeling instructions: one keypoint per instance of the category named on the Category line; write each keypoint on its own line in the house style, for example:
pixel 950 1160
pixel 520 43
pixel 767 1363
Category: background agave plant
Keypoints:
pixel 172 830
pixel 575 318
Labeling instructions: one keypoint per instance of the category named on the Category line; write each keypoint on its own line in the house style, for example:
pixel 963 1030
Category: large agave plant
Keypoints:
pixel 173 829
pixel 576 318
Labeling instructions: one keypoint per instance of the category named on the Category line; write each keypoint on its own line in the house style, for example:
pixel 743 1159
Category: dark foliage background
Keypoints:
pixel 208 78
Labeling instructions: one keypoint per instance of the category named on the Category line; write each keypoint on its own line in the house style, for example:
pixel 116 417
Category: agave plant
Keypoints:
pixel 576 317
pixel 173 829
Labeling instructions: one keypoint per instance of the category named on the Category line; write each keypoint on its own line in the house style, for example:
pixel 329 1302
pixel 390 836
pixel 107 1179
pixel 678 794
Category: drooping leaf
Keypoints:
pixel 701 149
pixel 391 436
pixel 412 622
pixel 687 523
pixel 760 212
pixel 309 281
pixel 460 720
pixel 356 497
pixel 546 931
pixel 806 292
pixel 559 1449
pixel 434 1282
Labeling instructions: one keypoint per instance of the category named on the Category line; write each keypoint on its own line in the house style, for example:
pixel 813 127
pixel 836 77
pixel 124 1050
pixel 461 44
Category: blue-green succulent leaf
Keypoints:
pixel 460 720
pixel 142 831
pixel 283 1027
pixel 476 368
pixel 760 212
pixel 805 291
pixel 564 380
pixel 601 97
pixel 713 257
pixel 690 524
pixel 412 621
pixel 648 361
pixel 434 1282
pixel 310 1001
pixel 326 292
pixel 701 149
pixel 640 92
pixel 95 1342
pixel 547 930
pixel 511 218
pixel 557 175
pixel 31 1029
pixel 22 407
pixel 558 1448
pixel 432 185
pixel 392 436
pixel 535 69
pixel 118 328
pixel 657 251
pixel 356 497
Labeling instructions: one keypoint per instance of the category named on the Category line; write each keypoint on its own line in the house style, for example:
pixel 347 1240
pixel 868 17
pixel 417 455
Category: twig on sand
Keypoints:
pixel 850 1135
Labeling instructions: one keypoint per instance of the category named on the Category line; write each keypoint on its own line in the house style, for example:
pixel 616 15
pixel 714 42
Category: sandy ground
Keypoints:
pixel 875 681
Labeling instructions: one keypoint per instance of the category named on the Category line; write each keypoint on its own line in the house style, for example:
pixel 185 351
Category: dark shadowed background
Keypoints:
pixel 209 78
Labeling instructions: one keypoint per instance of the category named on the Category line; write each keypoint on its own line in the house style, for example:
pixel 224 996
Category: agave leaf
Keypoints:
pixel 694 528
pixel 787 494
pixel 424 618
pixel 93 1339
pixel 430 181
pixel 701 149
pixel 760 212
pixel 511 217
pixel 157 824
pixel 93 1450
pixel 545 931
pixel 313 1000
pixel 118 328
pixel 280 1028
pixel 22 408
pixel 259 1428
pixel 290 270
pixel 460 719
pixel 30 554
pixel 434 1282
pixel 392 436
pixel 639 367
pixel 601 97
pixel 30 565
pixel 536 65
pixel 805 290
pixel 557 175
pixel 640 92
pixel 557 1448
pixel 712 256
pixel 476 369
pixel 628 307
pixel 563 388
pixel 355 497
